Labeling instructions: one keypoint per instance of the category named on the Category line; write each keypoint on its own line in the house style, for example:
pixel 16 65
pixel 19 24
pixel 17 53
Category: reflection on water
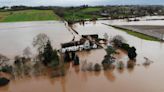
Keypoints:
pixel 110 75
pixel 133 77
pixel 75 79
pixel 131 65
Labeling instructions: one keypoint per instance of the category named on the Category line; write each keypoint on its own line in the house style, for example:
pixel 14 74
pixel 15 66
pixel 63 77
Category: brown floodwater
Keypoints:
pixel 15 37
pixel 141 78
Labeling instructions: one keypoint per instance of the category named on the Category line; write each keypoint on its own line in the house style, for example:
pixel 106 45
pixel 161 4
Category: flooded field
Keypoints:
pixel 158 29
pixel 15 37
pixel 151 26
pixel 150 49
pixel 138 79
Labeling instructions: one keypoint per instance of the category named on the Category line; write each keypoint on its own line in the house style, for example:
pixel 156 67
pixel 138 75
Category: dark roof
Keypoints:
pixel 73 43
pixel 93 36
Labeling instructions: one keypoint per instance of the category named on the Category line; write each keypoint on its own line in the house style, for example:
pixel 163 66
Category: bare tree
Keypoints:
pixel 40 41
pixel 106 37
pixel 119 38
pixel 27 52
pixel 3 59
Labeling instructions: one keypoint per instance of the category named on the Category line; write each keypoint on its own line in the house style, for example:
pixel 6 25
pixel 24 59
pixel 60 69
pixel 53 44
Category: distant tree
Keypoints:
pixel 21 7
pixel 4 7
pixel 59 12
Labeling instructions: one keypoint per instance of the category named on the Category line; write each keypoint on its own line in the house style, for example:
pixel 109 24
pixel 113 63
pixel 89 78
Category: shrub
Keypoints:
pixel 110 50
pixel 6 69
pixel 97 67
pixel 108 60
pixel 4 81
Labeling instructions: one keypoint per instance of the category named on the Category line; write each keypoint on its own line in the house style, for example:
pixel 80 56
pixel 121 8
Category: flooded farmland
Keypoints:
pixel 139 79
pixel 15 37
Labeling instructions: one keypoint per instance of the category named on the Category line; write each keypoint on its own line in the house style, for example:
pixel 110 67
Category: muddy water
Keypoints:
pixel 138 79
pixel 15 37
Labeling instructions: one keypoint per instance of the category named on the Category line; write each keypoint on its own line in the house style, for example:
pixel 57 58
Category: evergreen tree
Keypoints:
pixel 50 56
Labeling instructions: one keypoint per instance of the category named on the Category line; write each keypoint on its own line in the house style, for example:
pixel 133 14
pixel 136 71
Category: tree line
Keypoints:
pixel 113 11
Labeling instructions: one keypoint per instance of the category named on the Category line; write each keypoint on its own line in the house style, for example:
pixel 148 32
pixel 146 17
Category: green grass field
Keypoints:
pixel 91 9
pixel 27 15
pixel 80 14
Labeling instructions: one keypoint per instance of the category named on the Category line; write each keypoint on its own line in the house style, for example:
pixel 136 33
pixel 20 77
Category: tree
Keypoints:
pixel 55 58
pixel 125 46
pixel 76 60
pixel 106 37
pixel 27 52
pixel 50 56
pixel 67 57
pixel 110 50
pixel 132 53
pixel 108 59
pixel 118 40
pixel 97 67
pixel 3 59
pixel 40 42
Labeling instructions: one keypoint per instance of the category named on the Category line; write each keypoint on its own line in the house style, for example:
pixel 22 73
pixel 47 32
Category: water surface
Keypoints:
pixel 138 79
pixel 15 37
